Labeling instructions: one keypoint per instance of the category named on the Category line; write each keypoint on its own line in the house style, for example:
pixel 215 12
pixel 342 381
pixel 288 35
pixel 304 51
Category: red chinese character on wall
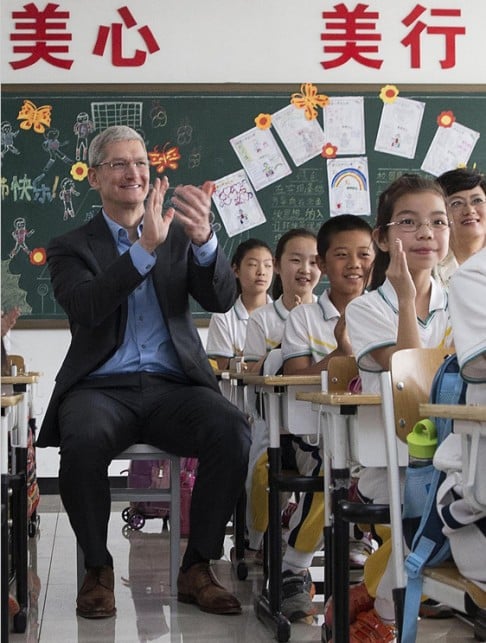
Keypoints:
pixel 353 29
pixel 117 58
pixel 412 39
pixel 40 29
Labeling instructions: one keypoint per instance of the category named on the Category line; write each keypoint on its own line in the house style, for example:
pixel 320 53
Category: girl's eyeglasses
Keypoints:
pixel 412 225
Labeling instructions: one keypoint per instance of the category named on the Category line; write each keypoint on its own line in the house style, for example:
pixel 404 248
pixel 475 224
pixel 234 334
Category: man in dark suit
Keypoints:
pixel 136 369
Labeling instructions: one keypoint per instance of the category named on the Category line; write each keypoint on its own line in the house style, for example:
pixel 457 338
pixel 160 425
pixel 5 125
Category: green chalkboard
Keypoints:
pixel 40 198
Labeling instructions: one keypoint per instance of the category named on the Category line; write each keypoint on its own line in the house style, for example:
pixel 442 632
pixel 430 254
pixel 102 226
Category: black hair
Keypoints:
pixel 408 183
pixel 277 288
pixel 461 179
pixel 243 249
pixel 334 225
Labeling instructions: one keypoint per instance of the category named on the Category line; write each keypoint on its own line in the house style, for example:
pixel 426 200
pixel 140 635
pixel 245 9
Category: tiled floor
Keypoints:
pixel 145 610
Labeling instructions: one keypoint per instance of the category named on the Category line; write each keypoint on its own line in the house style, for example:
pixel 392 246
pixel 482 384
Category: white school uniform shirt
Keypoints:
pixel 265 329
pixel 467 300
pixel 227 331
pixel 309 330
pixel 372 322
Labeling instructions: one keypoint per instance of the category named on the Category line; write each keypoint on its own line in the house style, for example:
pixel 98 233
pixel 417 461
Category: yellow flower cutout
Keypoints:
pixel 389 93
pixel 79 171
pixel 308 99
pixel 263 121
pixel 445 119
pixel 329 151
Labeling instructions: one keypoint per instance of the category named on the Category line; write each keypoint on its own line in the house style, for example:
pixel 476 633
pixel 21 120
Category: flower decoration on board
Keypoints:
pixel 389 93
pixel 37 256
pixel 329 151
pixel 445 119
pixel 308 99
pixel 263 121
pixel 79 171
pixel 34 117
pixel 165 159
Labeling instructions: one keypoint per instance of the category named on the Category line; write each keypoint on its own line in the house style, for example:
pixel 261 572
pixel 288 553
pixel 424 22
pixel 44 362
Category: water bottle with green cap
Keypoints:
pixel 422 443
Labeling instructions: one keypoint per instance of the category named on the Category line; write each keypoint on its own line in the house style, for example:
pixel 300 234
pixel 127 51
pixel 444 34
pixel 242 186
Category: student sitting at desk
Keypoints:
pixel 313 334
pixel 405 308
pixel 297 275
pixel 467 294
pixel 253 266
pixel 466 206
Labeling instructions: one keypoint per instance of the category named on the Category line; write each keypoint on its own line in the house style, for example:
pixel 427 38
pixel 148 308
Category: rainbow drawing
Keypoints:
pixel 351 177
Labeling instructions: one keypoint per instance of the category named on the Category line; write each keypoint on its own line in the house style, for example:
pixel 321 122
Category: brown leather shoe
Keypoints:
pixel 199 585
pixel 96 598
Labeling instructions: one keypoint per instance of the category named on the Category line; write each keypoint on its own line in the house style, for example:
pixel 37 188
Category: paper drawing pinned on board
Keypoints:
pixel 237 203
pixel 348 182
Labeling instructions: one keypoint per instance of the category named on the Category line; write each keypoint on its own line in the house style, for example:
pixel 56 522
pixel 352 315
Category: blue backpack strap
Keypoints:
pixel 429 545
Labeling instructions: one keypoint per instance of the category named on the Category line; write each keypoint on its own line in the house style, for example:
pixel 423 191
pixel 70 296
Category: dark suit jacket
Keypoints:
pixel 91 281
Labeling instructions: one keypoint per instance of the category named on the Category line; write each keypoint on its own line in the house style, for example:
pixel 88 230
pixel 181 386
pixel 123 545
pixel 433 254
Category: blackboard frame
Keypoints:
pixel 251 91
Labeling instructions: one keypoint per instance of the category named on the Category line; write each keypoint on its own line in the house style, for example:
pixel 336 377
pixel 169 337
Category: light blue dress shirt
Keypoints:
pixel 147 345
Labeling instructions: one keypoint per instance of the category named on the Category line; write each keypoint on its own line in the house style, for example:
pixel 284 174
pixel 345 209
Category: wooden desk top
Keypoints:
pixel 24 378
pixel 11 400
pixel 454 411
pixel 340 399
pixel 280 380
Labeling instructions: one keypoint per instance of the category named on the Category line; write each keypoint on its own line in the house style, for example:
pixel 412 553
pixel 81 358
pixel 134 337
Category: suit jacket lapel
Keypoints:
pixel 101 241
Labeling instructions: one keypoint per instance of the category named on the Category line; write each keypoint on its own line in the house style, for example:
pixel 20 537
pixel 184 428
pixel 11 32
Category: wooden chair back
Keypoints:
pixel 412 371
pixel 341 371
pixel 16 360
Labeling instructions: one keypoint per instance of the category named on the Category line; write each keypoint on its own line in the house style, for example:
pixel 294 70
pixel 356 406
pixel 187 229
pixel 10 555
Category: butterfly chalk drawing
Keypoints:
pixel 34 117
pixel 165 159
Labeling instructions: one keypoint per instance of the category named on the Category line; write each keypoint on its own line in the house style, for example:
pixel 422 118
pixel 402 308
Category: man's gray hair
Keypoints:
pixel 96 152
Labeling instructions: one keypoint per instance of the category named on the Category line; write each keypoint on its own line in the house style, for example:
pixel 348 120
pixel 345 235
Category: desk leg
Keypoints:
pixel 19 530
pixel 340 590
pixel 4 560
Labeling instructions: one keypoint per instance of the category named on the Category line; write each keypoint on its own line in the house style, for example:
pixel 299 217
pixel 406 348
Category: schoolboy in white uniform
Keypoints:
pixel 313 334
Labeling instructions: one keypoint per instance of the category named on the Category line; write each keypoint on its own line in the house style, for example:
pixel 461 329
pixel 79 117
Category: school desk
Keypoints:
pixel 283 414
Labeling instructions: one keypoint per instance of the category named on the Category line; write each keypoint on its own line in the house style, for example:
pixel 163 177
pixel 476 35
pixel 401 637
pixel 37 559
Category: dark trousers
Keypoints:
pixel 102 417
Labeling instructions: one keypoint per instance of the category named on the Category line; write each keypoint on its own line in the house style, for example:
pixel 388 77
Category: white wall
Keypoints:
pixel 44 350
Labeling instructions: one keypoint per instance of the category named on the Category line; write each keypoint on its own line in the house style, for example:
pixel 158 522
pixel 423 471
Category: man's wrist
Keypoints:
pixel 209 237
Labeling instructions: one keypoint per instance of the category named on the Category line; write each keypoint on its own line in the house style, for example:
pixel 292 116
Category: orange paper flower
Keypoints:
pixel 389 93
pixel 329 151
pixel 263 121
pixel 38 256
pixel 445 119
pixel 79 171
pixel 308 99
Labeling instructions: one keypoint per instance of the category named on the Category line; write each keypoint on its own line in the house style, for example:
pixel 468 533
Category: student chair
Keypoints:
pixel 409 384
pixel 171 495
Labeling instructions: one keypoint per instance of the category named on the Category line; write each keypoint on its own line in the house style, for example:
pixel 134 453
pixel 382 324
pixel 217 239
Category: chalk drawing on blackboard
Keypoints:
pixel 158 115
pixel 8 139
pixel 237 204
pixel 66 194
pixel 107 113
pixel 20 233
pixel 83 127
